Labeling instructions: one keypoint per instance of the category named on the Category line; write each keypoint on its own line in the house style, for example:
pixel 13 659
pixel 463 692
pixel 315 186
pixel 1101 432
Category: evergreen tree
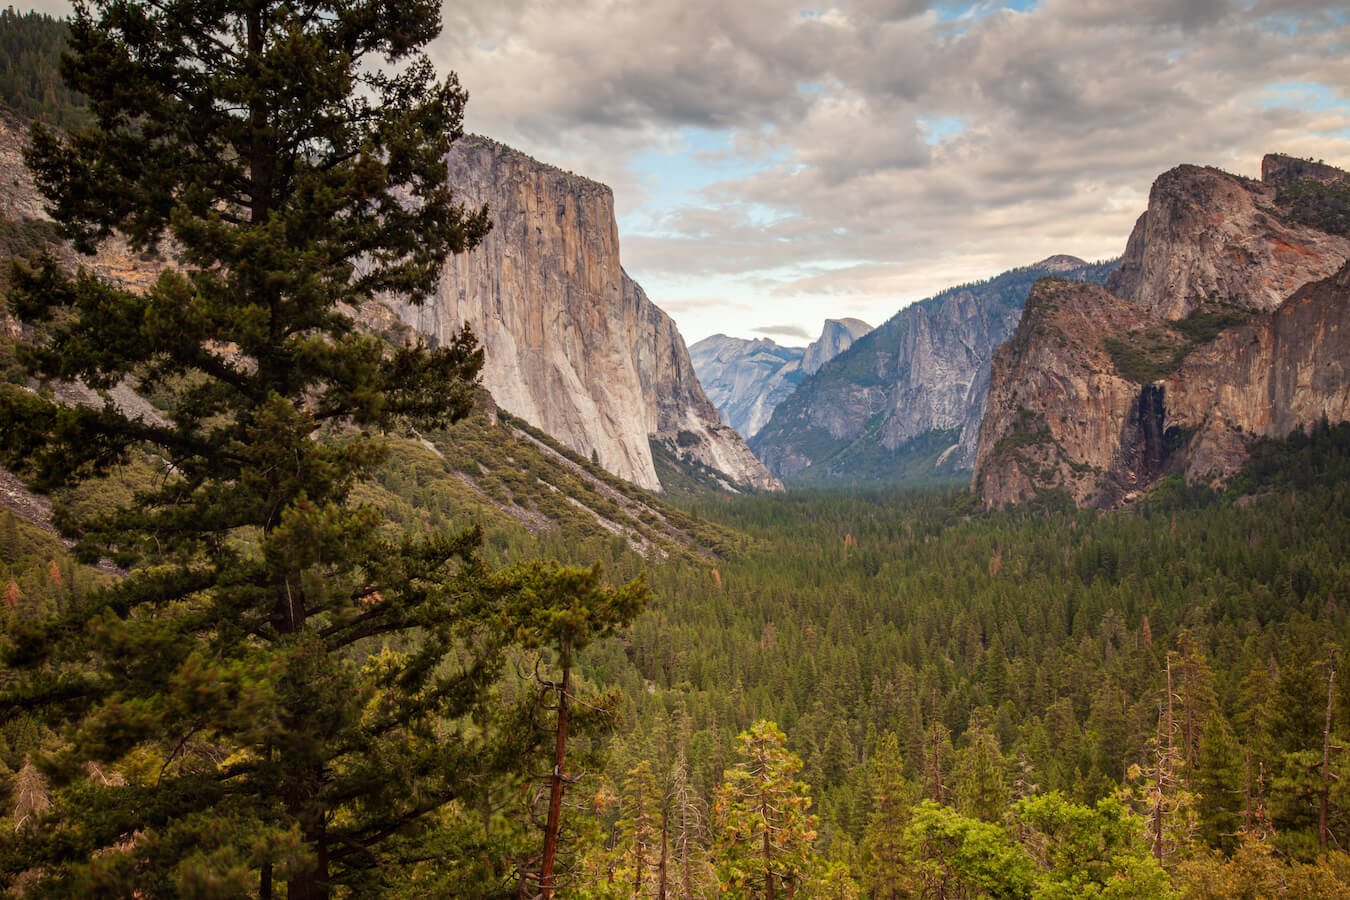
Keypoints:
pixel 763 816
pixel 301 693
pixel 893 795
pixel 1218 781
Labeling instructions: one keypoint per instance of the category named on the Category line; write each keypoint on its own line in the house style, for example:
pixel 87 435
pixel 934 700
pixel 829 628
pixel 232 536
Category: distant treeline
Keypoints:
pixel 31 44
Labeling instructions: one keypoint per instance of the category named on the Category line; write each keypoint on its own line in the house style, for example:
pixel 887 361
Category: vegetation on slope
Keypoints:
pixel 31 44
pixel 871 362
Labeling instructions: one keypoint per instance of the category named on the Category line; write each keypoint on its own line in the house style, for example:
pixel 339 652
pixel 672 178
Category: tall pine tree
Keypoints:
pixel 292 692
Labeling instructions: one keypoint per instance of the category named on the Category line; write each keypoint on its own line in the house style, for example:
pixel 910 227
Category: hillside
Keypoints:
pixel 1222 324
pixel 904 402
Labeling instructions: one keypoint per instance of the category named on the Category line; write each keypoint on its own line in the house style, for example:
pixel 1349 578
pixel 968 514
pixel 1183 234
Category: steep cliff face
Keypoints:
pixel 1213 238
pixel 744 379
pixel 1283 371
pixel 679 414
pixel 904 401
pixel 836 337
pixel 1204 341
pixel 573 347
pixel 1058 414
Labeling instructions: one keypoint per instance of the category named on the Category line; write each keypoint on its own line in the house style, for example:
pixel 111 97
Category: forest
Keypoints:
pixel 512 675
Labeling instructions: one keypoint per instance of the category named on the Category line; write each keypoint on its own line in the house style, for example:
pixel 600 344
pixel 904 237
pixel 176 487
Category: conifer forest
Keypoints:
pixel 313 618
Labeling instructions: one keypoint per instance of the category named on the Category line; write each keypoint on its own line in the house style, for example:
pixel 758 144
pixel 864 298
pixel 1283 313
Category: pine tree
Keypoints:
pixel 305 685
pixel 892 798
pixel 1218 782
pixel 763 816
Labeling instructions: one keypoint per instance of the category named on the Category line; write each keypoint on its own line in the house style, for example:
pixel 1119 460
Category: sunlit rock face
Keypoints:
pixel 836 337
pixel 1226 321
pixel 573 345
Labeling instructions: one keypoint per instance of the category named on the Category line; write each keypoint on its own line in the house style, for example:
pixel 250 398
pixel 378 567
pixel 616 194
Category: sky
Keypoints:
pixel 775 163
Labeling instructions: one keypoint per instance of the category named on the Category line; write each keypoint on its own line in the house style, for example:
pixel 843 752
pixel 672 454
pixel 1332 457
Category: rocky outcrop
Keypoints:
pixel 679 413
pixel 573 346
pixel 836 337
pixel 1211 238
pixel 905 401
pixel 1058 413
pixel 745 379
pixel 1283 371
pixel 1206 338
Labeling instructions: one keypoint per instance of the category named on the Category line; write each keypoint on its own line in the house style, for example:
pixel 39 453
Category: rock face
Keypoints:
pixel 573 345
pixel 1206 338
pixel 1213 238
pixel 1285 370
pixel 836 337
pixel 905 401
pixel 1058 414
pixel 744 379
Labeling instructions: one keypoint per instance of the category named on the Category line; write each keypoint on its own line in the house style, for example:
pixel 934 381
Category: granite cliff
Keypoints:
pixel 1222 324
pixel 573 345
pixel 746 380
pixel 836 337
pixel 905 401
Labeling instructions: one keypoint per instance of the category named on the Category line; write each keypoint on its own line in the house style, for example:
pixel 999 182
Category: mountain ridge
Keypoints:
pixel 1219 327
pixel 879 411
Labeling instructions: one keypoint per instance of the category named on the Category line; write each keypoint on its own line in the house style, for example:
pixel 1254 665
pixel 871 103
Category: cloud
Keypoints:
pixel 790 331
pixel 859 155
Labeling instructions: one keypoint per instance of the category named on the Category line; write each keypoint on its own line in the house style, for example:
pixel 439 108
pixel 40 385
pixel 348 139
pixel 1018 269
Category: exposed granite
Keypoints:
pixel 1209 236
pixel 924 373
pixel 835 337
pixel 1062 414
pixel 746 379
pixel 573 346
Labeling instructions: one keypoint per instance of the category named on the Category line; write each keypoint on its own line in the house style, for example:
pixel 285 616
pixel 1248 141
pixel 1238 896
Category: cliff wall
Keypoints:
pixel 573 346
pixel 1225 321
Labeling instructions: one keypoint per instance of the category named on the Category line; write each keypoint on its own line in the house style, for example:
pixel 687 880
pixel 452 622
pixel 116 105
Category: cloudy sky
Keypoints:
pixel 777 163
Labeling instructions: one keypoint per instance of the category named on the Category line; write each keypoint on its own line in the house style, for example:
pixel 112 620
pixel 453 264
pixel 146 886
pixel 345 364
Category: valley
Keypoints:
pixel 389 541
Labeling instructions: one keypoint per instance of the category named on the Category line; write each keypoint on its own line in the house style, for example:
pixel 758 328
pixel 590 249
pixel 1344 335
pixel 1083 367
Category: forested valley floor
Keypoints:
pixel 1137 702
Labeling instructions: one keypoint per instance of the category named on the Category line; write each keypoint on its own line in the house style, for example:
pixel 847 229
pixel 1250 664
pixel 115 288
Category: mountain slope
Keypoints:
pixel 573 345
pixel 1203 342
pixel 905 400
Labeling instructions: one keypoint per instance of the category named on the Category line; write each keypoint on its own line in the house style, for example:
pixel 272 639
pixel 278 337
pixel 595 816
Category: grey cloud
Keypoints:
pixel 792 331
pixel 1069 112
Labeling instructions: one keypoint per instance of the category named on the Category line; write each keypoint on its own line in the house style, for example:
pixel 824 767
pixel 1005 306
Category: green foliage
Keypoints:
pixel 1151 355
pixel 282 688
pixel 947 852
pixel 1324 205
pixel 762 813
pixel 1306 459
pixel 30 83
pixel 1204 323
pixel 1145 357
pixel 924 461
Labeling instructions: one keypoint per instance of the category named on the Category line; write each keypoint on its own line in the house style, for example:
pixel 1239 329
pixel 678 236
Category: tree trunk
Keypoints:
pixel 1247 789
pixel 1326 761
pixel 546 879
pixel 661 870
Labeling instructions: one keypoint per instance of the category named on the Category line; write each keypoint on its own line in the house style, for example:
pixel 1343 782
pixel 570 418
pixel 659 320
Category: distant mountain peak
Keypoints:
pixel 1060 262
pixel 836 336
